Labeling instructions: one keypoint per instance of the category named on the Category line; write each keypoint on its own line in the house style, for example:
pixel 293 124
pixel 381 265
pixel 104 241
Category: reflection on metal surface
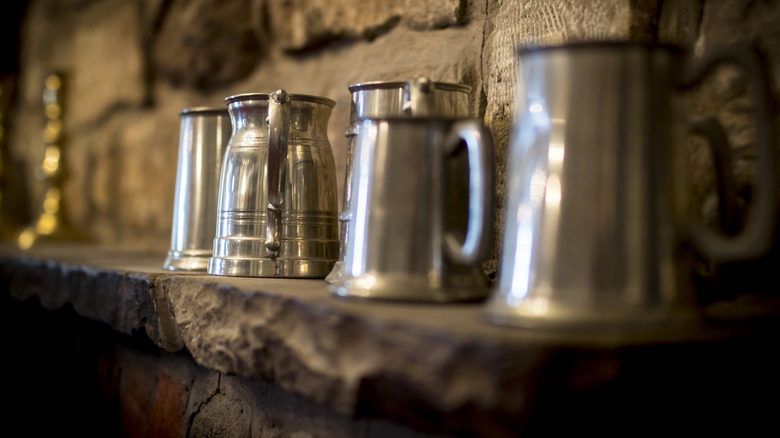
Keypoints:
pixel 413 98
pixel 51 223
pixel 598 229
pixel 401 247
pixel 277 208
pixel 203 137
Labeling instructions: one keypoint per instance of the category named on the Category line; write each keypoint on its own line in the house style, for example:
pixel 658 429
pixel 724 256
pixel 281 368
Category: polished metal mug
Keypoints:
pixel 401 246
pixel 598 228
pixel 413 98
pixel 277 210
pixel 203 137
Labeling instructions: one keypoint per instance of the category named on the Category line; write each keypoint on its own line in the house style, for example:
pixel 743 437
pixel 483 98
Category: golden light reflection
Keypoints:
pixel 26 238
pixel 52 131
pixel 53 111
pixel 52 201
pixel 51 224
pixel 51 162
pixel 365 282
pixel 46 223
pixel 539 307
pixel 53 82
pixel 552 197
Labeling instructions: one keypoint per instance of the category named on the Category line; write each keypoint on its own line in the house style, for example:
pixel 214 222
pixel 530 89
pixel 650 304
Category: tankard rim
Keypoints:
pixel 380 85
pixel 203 110
pixel 420 120
pixel 295 97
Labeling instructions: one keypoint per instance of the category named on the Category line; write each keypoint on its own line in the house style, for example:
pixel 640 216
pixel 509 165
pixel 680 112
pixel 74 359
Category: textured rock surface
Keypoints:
pixel 438 369
pixel 206 44
pixel 302 24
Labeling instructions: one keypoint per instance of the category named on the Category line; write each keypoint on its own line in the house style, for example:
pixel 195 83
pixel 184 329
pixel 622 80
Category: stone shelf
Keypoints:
pixel 435 368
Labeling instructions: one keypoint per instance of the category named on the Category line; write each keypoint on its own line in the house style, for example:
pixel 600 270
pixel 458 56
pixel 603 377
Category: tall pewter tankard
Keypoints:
pixel 598 230
pixel 203 138
pixel 277 210
pixel 413 98
pixel 400 246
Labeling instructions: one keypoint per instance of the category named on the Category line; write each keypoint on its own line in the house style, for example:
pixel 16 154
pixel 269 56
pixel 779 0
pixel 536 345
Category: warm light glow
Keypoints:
pixel 555 154
pixel 26 238
pixel 53 111
pixel 46 224
pixel 52 161
pixel 365 282
pixel 53 82
pixel 552 197
pixel 539 307
pixel 52 202
pixel 52 131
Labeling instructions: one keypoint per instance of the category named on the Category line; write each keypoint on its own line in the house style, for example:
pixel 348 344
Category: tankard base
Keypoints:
pixel 545 314
pixel 194 260
pixel 406 289
pixel 336 274
pixel 286 268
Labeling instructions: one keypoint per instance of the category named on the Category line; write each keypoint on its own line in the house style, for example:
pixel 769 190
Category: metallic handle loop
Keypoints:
pixel 479 146
pixel 279 110
pixel 758 233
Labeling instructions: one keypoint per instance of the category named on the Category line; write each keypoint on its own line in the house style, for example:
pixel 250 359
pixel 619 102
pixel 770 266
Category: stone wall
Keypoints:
pixel 133 65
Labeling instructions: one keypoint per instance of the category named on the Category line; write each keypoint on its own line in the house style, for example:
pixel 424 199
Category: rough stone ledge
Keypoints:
pixel 435 367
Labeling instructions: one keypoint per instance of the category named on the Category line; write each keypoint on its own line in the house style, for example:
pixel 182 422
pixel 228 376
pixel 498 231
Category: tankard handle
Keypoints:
pixel 279 110
pixel 479 146
pixel 718 142
pixel 418 97
pixel 756 237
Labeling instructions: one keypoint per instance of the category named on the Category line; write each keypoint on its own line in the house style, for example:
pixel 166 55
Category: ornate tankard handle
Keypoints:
pixel 279 110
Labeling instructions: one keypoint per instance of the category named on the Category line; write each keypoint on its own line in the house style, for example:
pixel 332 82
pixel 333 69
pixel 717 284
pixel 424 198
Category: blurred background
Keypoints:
pixel 129 66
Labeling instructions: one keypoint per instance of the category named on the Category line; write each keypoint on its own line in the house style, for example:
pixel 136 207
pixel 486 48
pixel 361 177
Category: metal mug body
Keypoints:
pixel 277 212
pixel 413 98
pixel 400 246
pixel 597 230
pixel 203 138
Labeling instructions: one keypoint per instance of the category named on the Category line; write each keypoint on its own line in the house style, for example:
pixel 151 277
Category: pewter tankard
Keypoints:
pixel 277 211
pixel 400 246
pixel 203 137
pixel 598 230
pixel 412 98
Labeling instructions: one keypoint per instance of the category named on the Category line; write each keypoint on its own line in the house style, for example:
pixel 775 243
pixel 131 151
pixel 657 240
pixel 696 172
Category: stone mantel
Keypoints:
pixel 435 368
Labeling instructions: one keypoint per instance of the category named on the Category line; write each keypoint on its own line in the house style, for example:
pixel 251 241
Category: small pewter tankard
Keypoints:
pixel 599 232
pixel 203 137
pixel 413 98
pixel 277 210
pixel 401 245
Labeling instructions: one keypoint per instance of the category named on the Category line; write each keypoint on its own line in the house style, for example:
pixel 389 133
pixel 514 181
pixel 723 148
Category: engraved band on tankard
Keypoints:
pixel 203 138
pixel 413 98
pixel 277 210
